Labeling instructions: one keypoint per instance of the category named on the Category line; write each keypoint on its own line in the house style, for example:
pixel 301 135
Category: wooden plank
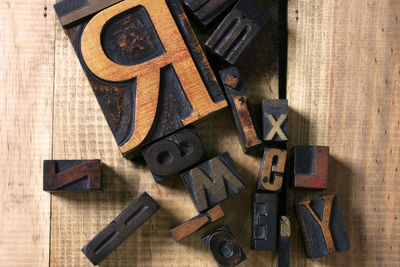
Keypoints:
pixel 80 131
pixel 26 93
pixel 344 91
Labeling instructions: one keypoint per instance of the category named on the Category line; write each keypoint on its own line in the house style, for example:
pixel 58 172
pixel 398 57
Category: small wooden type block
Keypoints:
pixel 272 170
pixel 108 239
pixel 238 30
pixel 284 242
pixel 202 220
pixel 213 182
pixel 71 175
pixel 275 120
pixel 322 225
pixel 237 97
pixel 174 154
pixel 207 11
pixel 265 217
pixel 224 247
pixel 310 167
pixel 145 65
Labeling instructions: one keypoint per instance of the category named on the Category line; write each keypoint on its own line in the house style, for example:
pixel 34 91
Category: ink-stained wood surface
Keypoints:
pixel 338 94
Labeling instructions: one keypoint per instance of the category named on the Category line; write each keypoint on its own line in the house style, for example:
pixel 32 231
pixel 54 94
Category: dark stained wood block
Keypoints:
pixel 246 127
pixel 213 181
pixel 224 247
pixel 265 219
pixel 272 170
pixel 322 225
pixel 71 175
pixel 108 239
pixel 275 120
pixel 207 11
pixel 202 220
pixel 238 30
pixel 310 167
pixel 284 242
pixel 174 154
pixel 146 67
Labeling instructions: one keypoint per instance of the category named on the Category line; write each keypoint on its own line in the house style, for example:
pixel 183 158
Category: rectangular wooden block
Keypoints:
pixel 275 120
pixel 265 219
pixel 213 181
pixel 174 154
pixel 202 220
pixel 108 239
pixel 238 30
pixel 272 173
pixel 322 225
pixel 207 11
pixel 284 242
pixel 246 127
pixel 71 175
pixel 224 247
pixel 310 167
pixel 146 67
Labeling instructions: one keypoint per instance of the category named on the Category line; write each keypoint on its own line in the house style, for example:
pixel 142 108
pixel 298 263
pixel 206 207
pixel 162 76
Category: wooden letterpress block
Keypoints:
pixel 192 226
pixel 322 226
pixel 174 154
pixel 145 65
pixel 108 239
pixel 265 217
pixel 284 242
pixel 213 181
pixel 237 31
pixel 224 247
pixel 272 170
pixel 71 175
pixel 275 120
pixel 310 167
pixel 237 97
pixel 206 11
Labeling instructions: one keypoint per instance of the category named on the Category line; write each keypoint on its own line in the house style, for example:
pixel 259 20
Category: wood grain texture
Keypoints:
pixel 344 91
pixel 26 93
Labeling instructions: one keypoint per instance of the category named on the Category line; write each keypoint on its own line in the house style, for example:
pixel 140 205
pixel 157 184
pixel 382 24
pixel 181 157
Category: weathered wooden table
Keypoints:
pixel 343 86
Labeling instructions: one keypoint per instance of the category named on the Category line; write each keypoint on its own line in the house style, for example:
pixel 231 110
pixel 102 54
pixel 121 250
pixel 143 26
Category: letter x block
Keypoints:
pixel 310 167
pixel 145 65
pixel 322 225
pixel 71 175
pixel 275 120
pixel 213 182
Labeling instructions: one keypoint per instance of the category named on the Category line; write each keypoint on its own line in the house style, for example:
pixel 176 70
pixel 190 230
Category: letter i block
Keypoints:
pixel 322 225
pixel 310 167
pixel 275 120
pixel 213 181
pixel 145 65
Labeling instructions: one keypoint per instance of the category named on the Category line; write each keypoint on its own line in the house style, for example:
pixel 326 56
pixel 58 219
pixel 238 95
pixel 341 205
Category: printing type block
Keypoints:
pixel 145 65
pixel 275 120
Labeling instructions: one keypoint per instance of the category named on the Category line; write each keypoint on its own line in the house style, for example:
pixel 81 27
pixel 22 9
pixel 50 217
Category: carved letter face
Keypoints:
pixel 137 213
pixel 310 167
pixel 174 154
pixel 237 31
pixel 322 225
pixel 237 96
pixel 136 55
pixel 213 181
pixel 272 169
pixel 275 120
pixel 265 216
pixel 224 247
pixel 71 175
